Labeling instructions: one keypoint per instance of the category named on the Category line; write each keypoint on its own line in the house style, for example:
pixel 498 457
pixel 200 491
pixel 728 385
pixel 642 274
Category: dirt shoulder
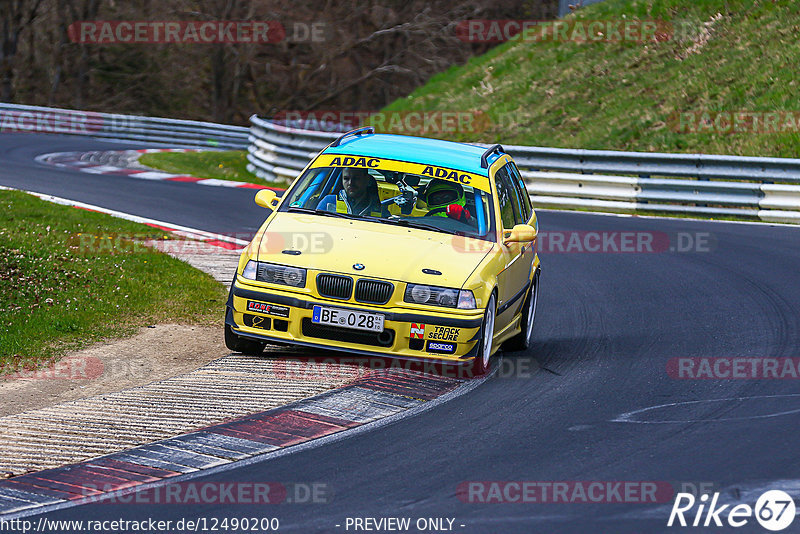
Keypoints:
pixel 152 354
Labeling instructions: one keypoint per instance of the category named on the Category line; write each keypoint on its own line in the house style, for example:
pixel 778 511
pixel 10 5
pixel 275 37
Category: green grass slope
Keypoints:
pixel 738 56
pixel 70 277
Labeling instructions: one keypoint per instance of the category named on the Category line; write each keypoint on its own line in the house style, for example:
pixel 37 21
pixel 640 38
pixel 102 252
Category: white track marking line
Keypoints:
pixel 219 183
pixel 152 175
pixel 665 218
pixel 189 232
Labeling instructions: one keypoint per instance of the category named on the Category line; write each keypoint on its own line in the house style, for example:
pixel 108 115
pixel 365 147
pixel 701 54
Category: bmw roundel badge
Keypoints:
pixel 358 266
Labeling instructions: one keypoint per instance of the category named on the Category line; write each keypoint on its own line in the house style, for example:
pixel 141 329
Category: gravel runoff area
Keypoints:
pixel 123 393
pixel 229 387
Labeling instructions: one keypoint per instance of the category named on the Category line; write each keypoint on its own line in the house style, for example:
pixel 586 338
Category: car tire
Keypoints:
pixel 481 364
pixel 237 343
pixel 522 341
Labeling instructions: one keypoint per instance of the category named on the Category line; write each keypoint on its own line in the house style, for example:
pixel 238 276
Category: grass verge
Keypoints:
pixel 219 164
pixel 70 277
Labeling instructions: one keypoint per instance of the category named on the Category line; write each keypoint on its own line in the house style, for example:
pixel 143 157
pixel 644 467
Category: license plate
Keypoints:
pixel 357 320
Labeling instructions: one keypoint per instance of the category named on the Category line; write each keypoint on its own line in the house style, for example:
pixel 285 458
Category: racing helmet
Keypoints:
pixel 441 193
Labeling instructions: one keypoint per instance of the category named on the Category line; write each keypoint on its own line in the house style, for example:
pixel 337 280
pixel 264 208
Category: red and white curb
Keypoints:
pixel 377 398
pixel 88 162
pixel 210 238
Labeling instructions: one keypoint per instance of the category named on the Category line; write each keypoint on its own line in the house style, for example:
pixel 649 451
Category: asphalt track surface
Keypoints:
pixel 608 323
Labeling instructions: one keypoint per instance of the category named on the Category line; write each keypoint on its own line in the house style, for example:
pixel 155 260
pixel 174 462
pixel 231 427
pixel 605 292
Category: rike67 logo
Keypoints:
pixel 774 510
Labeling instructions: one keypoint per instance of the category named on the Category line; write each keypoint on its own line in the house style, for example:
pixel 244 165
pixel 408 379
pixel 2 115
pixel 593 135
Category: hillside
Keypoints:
pixel 719 60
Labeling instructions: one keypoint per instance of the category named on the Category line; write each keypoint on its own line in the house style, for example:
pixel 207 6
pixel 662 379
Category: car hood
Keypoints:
pixel 386 251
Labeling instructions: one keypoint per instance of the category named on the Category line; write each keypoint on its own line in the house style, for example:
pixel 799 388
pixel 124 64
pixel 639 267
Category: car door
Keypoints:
pixel 512 280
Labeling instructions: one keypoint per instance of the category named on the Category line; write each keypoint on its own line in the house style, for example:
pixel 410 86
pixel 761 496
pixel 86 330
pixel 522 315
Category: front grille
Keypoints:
pixel 373 291
pixel 334 286
pixel 334 333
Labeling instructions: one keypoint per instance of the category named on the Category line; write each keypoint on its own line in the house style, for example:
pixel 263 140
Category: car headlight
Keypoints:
pixel 466 300
pixel 250 270
pixel 439 296
pixel 275 274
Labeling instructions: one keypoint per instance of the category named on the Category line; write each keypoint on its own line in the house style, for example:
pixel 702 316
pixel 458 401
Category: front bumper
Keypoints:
pixel 284 317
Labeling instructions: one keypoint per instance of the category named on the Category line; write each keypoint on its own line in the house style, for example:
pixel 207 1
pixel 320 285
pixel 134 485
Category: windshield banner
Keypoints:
pixel 343 160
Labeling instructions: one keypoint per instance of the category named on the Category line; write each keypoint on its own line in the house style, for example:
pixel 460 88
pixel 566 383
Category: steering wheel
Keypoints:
pixel 435 212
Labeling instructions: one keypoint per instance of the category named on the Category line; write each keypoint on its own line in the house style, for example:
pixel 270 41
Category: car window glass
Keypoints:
pixel 506 198
pixel 394 197
pixel 519 212
pixel 519 196
pixel 516 177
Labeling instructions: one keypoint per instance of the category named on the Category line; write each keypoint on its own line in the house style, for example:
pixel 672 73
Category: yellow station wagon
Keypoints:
pixel 391 245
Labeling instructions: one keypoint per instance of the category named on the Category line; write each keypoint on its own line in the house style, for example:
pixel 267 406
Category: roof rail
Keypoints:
pixel 357 131
pixel 489 151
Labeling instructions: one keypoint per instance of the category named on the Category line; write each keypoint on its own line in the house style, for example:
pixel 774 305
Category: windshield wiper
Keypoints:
pixel 298 209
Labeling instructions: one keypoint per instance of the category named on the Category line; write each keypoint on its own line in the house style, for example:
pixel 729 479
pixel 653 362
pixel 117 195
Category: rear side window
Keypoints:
pixel 522 191
pixel 507 199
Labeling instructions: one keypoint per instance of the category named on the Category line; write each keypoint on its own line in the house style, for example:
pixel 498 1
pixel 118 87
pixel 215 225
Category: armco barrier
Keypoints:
pixel 598 180
pixel 277 153
pixel 175 132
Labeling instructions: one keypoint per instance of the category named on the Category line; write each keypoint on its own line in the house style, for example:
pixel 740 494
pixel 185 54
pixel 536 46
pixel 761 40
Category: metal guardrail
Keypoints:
pixel 598 180
pixel 277 153
pixel 113 126
pixel 759 188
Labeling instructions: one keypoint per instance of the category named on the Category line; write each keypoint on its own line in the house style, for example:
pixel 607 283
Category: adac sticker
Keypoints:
pixel 452 175
pixel 353 161
pixel 417 330
pixel 446 174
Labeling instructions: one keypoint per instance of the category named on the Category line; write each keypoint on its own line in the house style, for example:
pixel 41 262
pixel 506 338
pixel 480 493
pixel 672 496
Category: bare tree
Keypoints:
pixel 337 54
pixel 15 17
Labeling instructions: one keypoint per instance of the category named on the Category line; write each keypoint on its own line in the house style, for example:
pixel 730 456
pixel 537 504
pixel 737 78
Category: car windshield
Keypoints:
pixel 395 197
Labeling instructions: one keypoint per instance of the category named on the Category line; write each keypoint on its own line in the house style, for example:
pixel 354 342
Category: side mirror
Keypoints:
pixel 266 198
pixel 521 233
